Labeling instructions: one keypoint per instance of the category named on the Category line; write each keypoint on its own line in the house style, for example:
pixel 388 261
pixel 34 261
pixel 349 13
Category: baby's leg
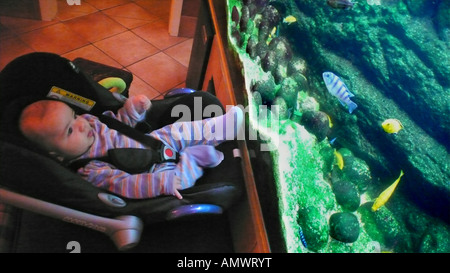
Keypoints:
pixel 188 170
pixel 193 160
pixel 210 131
pixel 225 127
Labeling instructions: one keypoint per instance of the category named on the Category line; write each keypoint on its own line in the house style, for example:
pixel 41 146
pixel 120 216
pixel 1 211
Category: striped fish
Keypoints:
pixel 302 237
pixel 337 88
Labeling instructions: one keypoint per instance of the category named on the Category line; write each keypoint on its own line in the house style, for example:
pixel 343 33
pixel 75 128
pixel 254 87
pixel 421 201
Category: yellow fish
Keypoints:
pixel 330 123
pixel 290 19
pixel 272 34
pixel 386 194
pixel 392 126
pixel 339 159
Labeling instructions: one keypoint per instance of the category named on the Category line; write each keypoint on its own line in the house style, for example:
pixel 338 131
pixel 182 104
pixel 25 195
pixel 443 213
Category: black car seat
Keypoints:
pixel 31 180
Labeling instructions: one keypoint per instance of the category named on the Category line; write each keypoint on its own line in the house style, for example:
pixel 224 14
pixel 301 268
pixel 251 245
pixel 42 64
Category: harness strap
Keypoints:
pixel 75 165
pixel 131 132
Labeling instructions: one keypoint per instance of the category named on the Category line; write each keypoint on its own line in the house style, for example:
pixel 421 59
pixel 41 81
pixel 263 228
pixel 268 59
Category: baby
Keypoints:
pixel 54 127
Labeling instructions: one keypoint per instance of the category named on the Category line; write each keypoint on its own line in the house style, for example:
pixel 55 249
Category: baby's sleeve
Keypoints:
pixel 128 114
pixel 135 186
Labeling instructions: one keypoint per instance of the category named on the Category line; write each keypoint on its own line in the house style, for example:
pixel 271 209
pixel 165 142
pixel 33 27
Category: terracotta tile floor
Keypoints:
pixel 127 34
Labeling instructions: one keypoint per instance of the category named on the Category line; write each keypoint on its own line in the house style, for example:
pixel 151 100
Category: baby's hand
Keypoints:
pixel 141 102
pixel 177 186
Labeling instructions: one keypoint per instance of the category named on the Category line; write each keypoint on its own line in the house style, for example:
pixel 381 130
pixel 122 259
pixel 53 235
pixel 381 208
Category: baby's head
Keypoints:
pixel 54 127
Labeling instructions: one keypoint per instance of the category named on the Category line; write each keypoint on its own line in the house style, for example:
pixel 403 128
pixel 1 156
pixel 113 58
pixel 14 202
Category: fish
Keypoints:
pixel 302 237
pixel 339 159
pixel 289 20
pixel 392 126
pixel 386 194
pixel 333 141
pixel 330 122
pixel 273 34
pixel 340 4
pixel 337 88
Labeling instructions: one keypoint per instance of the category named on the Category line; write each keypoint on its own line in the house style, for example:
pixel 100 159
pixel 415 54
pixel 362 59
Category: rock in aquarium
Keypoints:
pixel 282 49
pixel 266 89
pixel 245 17
pixel 251 47
pixel 344 227
pixel 357 171
pixel 235 17
pixel 317 123
pixel 346 195
pixel 270 61
pixel 280 108
pixel 271 15
pixel 297 66
pixel 289 91
pixel 314 227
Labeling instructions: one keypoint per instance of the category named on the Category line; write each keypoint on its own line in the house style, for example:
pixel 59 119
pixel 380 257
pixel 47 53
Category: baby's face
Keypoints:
pixel 69 135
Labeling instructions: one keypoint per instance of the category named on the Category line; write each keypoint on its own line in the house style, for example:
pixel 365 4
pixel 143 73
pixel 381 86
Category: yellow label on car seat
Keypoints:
pixel 72 98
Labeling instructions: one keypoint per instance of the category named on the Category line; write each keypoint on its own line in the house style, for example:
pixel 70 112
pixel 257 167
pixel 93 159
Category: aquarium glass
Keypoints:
pixel 358 155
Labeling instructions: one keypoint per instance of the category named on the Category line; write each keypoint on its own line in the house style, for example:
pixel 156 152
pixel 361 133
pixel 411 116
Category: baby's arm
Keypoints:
pixel 135 186
pixel 166 180
pixel 133 110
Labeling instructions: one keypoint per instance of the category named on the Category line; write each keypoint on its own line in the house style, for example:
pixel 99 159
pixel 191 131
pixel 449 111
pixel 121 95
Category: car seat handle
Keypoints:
pixel 125 231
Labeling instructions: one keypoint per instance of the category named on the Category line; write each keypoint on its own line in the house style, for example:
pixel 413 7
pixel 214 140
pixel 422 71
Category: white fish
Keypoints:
pixel 337 88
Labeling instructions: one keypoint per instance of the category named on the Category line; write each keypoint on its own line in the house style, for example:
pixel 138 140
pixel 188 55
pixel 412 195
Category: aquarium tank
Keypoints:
pixel 351 101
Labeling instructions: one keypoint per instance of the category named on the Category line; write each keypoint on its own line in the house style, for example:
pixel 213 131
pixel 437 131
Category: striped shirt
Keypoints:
pixel 192 140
